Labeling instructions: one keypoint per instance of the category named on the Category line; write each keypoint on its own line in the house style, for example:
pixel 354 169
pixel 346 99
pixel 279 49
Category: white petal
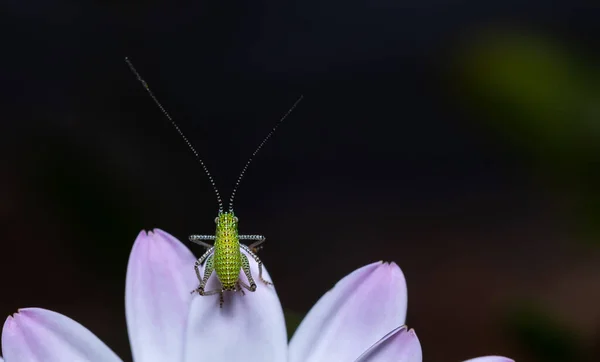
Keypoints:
pixel 35 334
pixel 490 359
pixel 360 310
pixel 248 328
pixel 400 345
pixel 160 276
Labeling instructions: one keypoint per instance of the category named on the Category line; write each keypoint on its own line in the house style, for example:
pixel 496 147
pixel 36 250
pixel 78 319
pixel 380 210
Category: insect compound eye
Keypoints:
pixel 216 220
pixel 235 219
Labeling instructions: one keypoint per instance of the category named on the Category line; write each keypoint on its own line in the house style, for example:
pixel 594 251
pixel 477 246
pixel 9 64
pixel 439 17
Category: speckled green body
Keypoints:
pixel 227 255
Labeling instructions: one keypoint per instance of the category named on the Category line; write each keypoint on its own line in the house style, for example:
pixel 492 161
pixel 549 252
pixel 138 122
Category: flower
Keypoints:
pixel 361 319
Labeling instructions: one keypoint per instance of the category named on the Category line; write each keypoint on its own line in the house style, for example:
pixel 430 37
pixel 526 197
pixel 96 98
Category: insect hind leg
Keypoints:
pixel 208 270
pixel 242 284
pixel 246 268
pixel 198 263
pixel 258 261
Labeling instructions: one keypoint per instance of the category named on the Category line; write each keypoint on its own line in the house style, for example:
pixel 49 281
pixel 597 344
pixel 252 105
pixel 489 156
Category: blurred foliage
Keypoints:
pixel 544 337
pixel 545 102
pixel 542 96
pixel 292 321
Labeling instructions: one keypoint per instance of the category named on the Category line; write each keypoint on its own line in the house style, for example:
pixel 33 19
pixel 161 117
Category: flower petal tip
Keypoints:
pixel 154 244
pixel 12 321
pixel 36 334
pixel 400 344
pixel 164 235
pixel 404 330
pixel 390 266
pixel 349 315
pixel 31 310
pixel 153 234
pixel 9 324
pixel 491 359
pixel 157 295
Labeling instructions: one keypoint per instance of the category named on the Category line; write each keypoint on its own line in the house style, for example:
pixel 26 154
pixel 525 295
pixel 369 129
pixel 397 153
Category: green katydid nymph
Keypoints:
pixel 226 257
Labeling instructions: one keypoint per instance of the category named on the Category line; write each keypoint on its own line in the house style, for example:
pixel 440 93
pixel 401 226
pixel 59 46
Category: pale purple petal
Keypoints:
pixel 248 328
pixel 400 345
pixel 40 335
pixel 491 359
pixel 360 310
pixel 160 276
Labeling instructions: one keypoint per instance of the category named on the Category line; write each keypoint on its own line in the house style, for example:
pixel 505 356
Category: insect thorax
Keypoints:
pixel 228 261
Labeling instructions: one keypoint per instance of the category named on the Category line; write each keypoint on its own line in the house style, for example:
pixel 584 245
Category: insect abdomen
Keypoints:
pixel 228 261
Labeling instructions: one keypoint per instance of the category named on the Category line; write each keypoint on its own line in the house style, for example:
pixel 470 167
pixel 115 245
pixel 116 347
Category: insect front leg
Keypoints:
pixel 254 246
pixel 197 239
pixel 258 261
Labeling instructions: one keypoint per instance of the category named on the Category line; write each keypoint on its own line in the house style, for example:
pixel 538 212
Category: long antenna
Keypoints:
pixel 212 182
pixel 237 184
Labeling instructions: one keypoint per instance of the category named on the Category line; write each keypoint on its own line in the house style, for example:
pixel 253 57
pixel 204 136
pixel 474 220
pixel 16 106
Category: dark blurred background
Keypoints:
pixel 458 139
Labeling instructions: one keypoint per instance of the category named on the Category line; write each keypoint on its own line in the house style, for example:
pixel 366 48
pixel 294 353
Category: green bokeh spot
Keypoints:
pixel 542 335
pixel 292 321
pixel 535 90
